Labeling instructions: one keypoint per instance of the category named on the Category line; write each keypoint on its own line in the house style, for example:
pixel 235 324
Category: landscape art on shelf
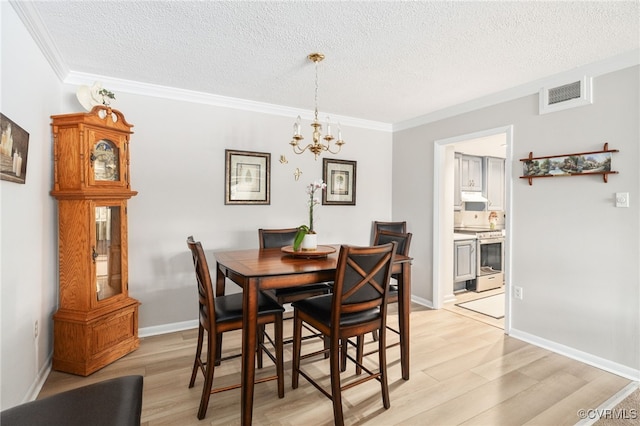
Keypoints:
pixel 579 164
pixel 568 165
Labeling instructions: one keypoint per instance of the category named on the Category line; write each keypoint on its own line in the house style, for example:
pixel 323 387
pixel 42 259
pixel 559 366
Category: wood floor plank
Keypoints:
pixel 478 357
pixel 526 404
pixel 510 362
pixel 457 410
pixel 565 411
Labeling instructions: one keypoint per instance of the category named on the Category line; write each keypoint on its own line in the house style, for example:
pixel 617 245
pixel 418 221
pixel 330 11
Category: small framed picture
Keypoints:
pixel 14 146
pixel 247 177
pixel 340 177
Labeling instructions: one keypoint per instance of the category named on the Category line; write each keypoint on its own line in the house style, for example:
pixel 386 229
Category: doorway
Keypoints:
pixel 443 214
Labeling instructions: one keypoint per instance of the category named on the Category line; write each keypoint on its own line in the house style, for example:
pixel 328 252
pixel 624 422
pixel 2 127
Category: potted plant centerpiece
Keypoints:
pixel 306 237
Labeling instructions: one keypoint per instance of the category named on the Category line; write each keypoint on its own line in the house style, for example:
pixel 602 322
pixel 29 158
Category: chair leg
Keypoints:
pixel 208 375
pixel 344 347
pixel 219 349
pixel 335 361
pixel 359 353
pixel 197 360
pixel 279 354
pixel 382 359
pixel 327 345
pixel 261 331
pixel 297 344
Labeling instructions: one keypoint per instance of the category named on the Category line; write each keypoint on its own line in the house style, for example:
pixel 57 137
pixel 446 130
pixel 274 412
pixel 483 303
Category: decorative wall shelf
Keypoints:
pixel 579 164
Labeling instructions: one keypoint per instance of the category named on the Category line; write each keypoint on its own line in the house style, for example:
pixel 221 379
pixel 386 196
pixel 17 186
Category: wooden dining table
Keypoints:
pixel 263 269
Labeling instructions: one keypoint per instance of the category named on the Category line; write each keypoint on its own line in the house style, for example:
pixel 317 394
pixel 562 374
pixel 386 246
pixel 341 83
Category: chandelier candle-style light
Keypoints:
pixel 317 146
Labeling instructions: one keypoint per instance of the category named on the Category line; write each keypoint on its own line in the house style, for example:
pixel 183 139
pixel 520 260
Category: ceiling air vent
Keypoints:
pixel 567 95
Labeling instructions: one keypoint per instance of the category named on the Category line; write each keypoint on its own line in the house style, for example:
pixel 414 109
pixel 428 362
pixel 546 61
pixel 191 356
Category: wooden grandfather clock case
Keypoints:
pixel 97 321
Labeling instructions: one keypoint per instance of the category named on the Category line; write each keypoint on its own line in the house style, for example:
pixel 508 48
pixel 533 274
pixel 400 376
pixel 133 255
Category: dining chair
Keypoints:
pixel 358 305
pixel 220 314
pixel 273 238
pixel 399 227
pixel 403 241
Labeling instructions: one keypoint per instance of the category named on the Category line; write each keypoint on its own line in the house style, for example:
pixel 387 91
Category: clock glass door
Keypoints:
pixel 107 253
pixel 105 161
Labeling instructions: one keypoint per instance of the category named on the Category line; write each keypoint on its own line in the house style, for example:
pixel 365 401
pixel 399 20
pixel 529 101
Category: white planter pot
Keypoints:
pixel 309 242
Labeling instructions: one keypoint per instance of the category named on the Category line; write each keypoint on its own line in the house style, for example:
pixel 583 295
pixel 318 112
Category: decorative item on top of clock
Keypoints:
pixel 94 95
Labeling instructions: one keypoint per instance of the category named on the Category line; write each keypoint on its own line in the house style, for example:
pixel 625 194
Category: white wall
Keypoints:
pixel 574 254
pixel 30 92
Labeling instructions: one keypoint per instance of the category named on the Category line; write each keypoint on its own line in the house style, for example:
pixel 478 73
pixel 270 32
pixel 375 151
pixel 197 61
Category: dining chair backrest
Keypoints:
pixel 206 304
pixel 273 238
pixel 362 274
pixel 402 239
pixel 399 227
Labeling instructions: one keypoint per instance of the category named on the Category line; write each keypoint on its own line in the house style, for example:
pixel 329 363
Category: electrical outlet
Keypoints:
pixel 35 330
pixel 517 293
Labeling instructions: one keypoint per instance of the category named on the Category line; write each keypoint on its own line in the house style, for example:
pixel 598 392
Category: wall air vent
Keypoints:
pixel 564 93
pixel 567 95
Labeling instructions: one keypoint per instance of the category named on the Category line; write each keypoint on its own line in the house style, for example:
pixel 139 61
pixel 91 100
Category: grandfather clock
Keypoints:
pixel 97 321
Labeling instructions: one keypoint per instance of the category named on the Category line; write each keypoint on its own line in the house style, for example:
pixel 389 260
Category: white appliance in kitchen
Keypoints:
pixel 490 256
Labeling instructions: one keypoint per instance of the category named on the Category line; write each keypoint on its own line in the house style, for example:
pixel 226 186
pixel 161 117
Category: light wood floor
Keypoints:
pixel 463 371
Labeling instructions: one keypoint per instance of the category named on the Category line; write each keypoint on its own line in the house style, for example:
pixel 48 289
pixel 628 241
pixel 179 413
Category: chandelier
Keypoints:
pixel 316 146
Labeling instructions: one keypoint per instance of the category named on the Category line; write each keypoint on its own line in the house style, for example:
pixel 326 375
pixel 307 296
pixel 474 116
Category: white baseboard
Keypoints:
pixel 38 383
pixel 587 358
pixel 421 301
pixel 167 328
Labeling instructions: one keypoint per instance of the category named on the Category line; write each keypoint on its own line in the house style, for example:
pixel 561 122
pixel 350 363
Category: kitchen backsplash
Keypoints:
pixel 472 218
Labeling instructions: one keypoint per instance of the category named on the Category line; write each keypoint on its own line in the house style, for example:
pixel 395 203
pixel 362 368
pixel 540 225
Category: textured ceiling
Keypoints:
pixel 385 61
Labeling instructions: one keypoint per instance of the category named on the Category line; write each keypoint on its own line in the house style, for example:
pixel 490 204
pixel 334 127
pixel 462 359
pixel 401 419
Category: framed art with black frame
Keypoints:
pixel 340 177
pixel 247 177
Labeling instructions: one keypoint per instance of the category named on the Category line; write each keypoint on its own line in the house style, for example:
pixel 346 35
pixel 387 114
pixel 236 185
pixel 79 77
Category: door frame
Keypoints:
pixel 443 212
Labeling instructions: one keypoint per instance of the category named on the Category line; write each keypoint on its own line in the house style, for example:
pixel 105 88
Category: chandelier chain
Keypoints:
pixel 316 96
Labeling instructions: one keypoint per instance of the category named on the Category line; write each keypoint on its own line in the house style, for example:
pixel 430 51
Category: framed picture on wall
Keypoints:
pixel 14 146
pixel 247 177
pixel 340 177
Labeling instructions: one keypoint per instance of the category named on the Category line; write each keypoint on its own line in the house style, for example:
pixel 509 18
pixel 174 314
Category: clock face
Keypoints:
pixel 105 161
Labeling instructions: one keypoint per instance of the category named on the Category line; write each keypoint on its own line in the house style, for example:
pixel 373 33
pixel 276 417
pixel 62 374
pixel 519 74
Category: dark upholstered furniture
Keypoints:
pixel 403 241
pixel 399 227
pixel 219 314
pixel 114 402
pixel 357 306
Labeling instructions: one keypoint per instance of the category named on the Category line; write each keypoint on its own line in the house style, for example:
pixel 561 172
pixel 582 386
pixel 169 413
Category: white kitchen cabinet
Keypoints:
pixel 470 173
pixel 494 183
pixel 464 260
pixel 457 200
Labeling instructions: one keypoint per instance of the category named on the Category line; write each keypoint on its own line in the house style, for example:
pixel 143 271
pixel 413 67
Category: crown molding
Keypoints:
pixel 615 63
pixel 33 22
pixel 165 92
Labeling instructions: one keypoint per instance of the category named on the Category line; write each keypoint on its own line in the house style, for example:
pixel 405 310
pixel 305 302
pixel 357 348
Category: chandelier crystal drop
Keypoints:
pixel 316 147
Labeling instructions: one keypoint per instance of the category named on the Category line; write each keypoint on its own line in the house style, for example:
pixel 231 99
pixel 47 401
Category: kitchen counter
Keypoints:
pixel 477 228
pixel 458 236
